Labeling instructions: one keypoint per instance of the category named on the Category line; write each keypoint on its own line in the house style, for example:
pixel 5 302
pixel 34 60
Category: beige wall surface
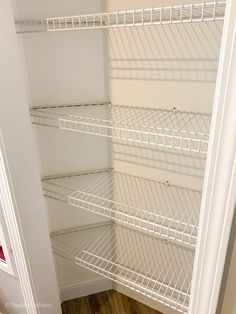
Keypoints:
pixel 162 68
pixel 64 68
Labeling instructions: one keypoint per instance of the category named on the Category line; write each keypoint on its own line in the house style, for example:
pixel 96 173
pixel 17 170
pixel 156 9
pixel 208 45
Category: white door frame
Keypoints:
pixel 7 265
pixel 219 192
pixel 10 216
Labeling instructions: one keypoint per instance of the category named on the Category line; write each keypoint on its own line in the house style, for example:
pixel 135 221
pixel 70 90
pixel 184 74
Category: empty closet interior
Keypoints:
pixel 121 106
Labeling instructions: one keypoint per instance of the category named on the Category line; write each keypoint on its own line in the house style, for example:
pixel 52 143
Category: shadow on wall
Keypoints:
pixel 177 52
pixel 184 53
pixel 189 164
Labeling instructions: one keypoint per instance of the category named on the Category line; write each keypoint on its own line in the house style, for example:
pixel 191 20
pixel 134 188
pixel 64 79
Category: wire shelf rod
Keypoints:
pixel 172 220
pixel 176 14
pixel 145 264
pixel 160 128
pixel 144 212
pixel 167 211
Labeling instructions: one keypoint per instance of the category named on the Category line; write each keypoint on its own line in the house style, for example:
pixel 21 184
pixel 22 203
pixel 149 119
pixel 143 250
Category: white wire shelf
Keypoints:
pixel 170 129
pixel 165 210
pixel 150 266
pixel 184 13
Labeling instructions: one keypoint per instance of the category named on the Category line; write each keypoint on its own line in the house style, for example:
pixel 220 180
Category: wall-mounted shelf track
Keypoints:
pixel 161 209
pixel 170 129
pixel 149 266
pixel 185 13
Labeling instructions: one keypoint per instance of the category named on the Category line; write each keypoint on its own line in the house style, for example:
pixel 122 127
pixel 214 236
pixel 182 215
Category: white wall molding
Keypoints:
pixel 83 288
pixel 8 264
pixel 12 225
pixel 219 193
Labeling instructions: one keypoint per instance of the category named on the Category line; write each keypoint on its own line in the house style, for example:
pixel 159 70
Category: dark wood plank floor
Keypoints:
pixel 108 302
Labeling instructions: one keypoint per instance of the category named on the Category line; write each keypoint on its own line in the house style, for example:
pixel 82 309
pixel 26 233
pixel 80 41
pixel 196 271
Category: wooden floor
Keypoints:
pixel 108 302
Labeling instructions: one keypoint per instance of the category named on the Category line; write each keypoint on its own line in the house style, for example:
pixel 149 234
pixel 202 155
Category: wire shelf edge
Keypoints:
pixel 184 13
pixel 161 128
pixel 160 209
pixel 163 273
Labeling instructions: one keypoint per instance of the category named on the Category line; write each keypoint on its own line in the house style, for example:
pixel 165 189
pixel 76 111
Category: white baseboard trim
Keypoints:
pixel 96 285
pixel 84 288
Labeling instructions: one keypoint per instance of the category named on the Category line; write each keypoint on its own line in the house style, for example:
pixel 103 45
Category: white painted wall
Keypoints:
pixel 63 68
pixel 68 67
pixel 161 67
pixel 10 291
pixel 22 160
